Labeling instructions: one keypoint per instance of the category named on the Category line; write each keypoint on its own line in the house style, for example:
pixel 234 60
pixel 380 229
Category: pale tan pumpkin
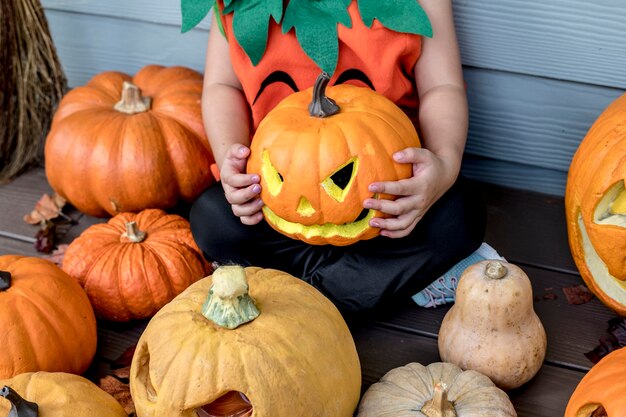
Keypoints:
pixel 437 390
pixel 492 327
pixel 294 356
pixel 59 394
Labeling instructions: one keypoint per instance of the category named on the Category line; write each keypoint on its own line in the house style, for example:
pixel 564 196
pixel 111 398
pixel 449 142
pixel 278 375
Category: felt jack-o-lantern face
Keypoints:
pixel 317 159
pixel 595 202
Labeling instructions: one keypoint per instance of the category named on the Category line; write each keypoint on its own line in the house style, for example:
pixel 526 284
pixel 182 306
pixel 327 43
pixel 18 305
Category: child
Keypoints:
pixel 436 222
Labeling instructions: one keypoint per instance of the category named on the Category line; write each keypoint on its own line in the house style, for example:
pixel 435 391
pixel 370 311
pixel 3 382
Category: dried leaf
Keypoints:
pixel 47 208
pixel 56 256
pixel 550 296
pixel 613 340
pixel 120 391
pixel 46 237
pixel 578 294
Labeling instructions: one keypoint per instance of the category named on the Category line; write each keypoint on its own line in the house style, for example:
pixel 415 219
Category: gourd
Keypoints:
pixel 134 264
pixel 258 334
pixel 317 156
pixel 55 394
pixel 492 327
pixel 595 207
pixel 47 322
pixel 437 390
pixel 123 144
pixel 601 391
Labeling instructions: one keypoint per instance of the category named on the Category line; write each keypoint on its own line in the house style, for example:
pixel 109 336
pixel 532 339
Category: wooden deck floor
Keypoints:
pixel 526 228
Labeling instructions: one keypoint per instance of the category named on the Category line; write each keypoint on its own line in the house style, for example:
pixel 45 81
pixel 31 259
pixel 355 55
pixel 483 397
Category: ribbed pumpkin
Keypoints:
pixel 47 322
pixel 595 203
pixel 437 390
pixel 601 391
pixel 57 394
pixel 119 144
pixel 135 264
pixel 281 345
pixel 318 154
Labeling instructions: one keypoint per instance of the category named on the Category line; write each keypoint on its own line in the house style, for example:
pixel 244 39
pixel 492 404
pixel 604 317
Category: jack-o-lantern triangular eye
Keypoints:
pixel 611 209
pixel 339 182
pixel 273 179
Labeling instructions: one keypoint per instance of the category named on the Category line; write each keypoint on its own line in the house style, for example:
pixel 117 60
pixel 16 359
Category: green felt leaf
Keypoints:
pixel 251 19
pixel 405 16
pixel 193 12
pixel 315 22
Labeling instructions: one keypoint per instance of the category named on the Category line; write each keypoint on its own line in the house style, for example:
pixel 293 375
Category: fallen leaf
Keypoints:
pixel 578 294
pixel 56 256
pixel 120 391
pixel 550 296
pixel 46 237
pixel 613 340
pixel 47 208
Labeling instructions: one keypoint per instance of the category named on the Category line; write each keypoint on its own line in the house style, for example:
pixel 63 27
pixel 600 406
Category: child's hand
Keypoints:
pixel 432 177
pixel 241 190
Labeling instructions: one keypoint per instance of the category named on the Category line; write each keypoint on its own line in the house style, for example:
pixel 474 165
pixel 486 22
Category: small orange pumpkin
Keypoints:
pixel 595 203
pixel 47 322
pixel 135 264
pixel 601 391
pixel 110 149
pixel 316 161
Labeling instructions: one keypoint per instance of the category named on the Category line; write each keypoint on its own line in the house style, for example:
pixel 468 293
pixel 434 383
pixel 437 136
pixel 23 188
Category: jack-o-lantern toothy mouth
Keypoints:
pixel 327 230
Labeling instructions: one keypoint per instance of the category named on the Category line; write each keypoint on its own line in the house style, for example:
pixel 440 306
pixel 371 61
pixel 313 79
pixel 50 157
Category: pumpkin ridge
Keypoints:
pixel 129 297
pixel 195 269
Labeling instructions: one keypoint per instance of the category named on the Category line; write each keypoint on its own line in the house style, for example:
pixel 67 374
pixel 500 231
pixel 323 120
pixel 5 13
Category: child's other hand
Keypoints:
pixel 241 190
pixel 432 177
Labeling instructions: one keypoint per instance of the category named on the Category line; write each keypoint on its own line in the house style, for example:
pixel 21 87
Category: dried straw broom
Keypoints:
pixel 31 84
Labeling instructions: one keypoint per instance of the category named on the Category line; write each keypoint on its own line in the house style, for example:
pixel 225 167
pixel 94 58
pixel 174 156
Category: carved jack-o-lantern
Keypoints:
pixel 595 202
pixel 316 161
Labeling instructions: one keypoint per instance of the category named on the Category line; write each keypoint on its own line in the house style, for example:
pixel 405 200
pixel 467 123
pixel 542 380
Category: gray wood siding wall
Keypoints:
pixel 539 72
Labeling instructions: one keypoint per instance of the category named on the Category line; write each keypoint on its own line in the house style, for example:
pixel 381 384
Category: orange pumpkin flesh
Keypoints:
pixel 112 149
pixel 135 263
pixel 601 391
pixel 596 209
pixel 316 170
pixel 48 323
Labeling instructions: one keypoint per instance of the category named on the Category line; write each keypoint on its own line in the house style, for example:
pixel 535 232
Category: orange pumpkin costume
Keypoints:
pixel 385 57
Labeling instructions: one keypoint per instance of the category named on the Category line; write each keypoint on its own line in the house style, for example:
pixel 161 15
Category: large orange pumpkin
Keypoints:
pixel 135 264
pixel 318 154
pixel 595 202
pixel 47 322
pixel 112 149
pixel 601 391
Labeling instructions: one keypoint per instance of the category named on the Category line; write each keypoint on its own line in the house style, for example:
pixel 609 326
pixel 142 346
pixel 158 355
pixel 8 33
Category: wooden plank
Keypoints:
pixel 572 330
pixel 17 247
pixel 382 349
pixel 528 227
pixel 564 39
pixel 528 120
pixel 115 338
pixel 88 45
pixel 164 12
pixel 514 176
pixel 572 40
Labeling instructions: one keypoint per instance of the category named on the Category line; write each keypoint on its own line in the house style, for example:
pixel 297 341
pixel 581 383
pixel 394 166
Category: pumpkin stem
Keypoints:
pixel 5 280
pixel 495 270
pixel 19 406
pixel 228 304
pixel 132 101
pixel 439 406
pixel 322 106
pixel 133 233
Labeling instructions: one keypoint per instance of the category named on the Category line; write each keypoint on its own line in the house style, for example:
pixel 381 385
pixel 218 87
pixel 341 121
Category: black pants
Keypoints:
pixel 358 277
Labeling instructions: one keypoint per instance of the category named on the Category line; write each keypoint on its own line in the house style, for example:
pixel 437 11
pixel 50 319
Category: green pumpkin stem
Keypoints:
pixel 5 280
pixel 439 406
pixel 322 106
pixel 132 101
pixel 228 304
pixel 495 270
pixel 133 233
pixel 19 406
